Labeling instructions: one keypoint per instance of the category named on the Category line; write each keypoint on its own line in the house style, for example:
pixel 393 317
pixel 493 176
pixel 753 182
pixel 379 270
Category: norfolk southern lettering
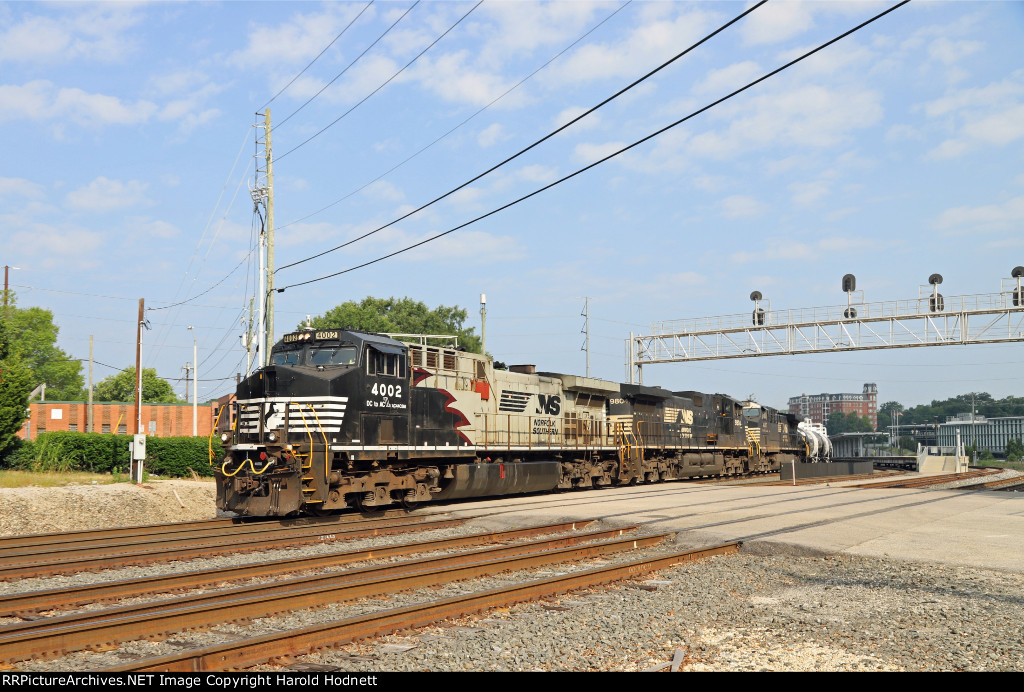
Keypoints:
pixel 342 418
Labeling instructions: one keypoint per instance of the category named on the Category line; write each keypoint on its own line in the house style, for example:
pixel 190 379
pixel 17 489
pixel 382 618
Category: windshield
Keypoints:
pixel 287 357
pixel 340 355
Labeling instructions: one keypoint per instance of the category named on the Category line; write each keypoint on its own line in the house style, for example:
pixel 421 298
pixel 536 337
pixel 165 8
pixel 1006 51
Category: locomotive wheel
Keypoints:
pixel 369 511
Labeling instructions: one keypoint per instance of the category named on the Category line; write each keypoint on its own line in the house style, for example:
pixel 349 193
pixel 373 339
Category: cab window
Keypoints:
pixel 386 364
pixel 337 355
pixel 287 358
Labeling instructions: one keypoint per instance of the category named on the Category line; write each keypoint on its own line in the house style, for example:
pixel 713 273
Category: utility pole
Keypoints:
pixel 89 427
pixel 138 368
pixel 270 244
pixel 195 383
pixel 7 271
pixel 188 371
pixel 263 195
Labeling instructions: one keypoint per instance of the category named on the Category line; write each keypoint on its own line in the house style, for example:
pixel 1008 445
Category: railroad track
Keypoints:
pixel 925 481
pixel 91 552
pixel 1002 484
pixel 101 630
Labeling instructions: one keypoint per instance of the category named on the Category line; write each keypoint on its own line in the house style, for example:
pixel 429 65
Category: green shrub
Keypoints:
pixel 108 453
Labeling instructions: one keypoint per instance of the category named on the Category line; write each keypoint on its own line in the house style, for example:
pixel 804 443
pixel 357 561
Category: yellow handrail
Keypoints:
pixel 212 431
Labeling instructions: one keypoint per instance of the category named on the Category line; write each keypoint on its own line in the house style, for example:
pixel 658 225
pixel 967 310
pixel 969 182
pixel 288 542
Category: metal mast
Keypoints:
pixel 263 196
pixel 586 330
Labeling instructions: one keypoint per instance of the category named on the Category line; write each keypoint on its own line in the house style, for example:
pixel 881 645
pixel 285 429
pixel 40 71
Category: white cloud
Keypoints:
pixel 728 79
pixel 53 245
pixel 740 206
pixel 775 22
pixel 491 135
pixel 298 40
pixel 95 32
pixel 537 174
pixel 647 45
pixel 19 187
pixel 948 51
pixel 588 152
pixel 808 116
pixel 103 194
pixel 156 229
pixel 568 114
pixel 787 249
pixel 383 190
pixel 1007 216
pixel 806 194
pixel 41 100
pixel 998 128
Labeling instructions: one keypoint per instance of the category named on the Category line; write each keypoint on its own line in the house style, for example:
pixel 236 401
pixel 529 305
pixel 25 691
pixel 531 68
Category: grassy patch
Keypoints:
pixel 25 479
pixel 1000 464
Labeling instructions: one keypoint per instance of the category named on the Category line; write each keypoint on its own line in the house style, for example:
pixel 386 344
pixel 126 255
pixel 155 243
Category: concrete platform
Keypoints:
pixel 976 528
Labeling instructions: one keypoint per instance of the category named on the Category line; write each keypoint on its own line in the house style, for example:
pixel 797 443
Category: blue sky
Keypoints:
pixel 896 153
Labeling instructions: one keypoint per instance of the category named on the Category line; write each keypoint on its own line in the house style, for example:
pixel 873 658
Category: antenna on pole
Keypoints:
pixel 483 323
pixel 586 330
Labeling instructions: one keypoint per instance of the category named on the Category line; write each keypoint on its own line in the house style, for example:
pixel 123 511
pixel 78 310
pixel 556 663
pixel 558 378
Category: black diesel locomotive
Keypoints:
pixel 342 418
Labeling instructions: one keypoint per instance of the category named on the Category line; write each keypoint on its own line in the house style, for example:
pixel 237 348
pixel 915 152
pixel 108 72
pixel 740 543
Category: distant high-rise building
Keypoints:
pixel 818 407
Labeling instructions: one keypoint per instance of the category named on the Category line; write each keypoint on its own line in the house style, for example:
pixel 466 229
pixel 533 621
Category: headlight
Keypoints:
pixel 272 436
pixel 224 437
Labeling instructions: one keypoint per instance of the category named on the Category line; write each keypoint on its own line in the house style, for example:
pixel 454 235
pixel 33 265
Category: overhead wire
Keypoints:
pixel 537 142
pixel 319 55
pixel 384 84
pixel 588 167
pixel 471 117
pixel 339 75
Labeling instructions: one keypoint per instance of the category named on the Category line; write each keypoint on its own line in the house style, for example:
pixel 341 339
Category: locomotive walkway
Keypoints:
pixel 958 527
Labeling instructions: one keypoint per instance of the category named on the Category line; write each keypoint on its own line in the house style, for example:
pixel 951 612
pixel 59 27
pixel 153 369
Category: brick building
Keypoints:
pixel 818 407
pixel 161 420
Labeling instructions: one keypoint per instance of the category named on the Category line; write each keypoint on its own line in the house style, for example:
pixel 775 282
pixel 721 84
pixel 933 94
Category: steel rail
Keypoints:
pixel 64 537
pixel 86 630
pixel 247 652
pixel 925 481
pixel 126 536
pixel 995 485
pixel 92 559
pixel 19 604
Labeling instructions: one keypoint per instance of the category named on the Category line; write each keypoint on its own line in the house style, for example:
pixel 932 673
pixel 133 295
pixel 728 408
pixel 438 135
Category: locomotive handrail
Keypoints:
pixel 320 427
pixel 212 431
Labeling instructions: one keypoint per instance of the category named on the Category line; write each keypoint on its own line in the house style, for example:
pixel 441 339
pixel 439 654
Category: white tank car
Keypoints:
pixel 819 447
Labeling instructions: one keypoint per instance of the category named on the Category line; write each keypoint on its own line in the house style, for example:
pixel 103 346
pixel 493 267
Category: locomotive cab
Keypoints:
pixel 291 413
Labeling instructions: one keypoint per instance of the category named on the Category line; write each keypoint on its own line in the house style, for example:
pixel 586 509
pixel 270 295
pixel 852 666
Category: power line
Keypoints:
pixel 226 277
pixel 536 143
pixel 499 98
pixel 386 82
pixel 588 167
pixel 347 27
pixel 338 76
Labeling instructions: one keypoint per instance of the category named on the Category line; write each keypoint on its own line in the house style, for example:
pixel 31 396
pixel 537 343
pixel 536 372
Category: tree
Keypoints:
pixel 885 413
pixel 15 385
pixel 839 422
pixel 1014 450
pixel 121 387
pixel 399 316
pixel 33 338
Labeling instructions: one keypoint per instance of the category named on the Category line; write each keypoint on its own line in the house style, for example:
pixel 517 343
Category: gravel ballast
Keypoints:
pixel 740 612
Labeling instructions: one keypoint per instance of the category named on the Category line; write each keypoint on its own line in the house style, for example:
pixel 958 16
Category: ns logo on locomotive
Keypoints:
pixel 343 418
